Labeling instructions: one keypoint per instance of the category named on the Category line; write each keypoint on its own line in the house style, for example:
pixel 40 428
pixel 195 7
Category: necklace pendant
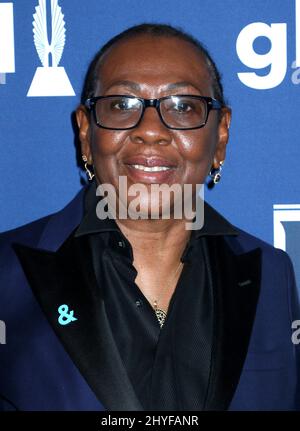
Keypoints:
pixel 161 316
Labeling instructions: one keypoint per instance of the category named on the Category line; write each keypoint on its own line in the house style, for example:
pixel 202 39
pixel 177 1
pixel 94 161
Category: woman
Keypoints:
pixel 144 314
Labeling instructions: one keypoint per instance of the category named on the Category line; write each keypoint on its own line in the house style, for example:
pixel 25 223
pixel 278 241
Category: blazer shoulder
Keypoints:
pixel 245 242
pixel 27 234
pixel 30 233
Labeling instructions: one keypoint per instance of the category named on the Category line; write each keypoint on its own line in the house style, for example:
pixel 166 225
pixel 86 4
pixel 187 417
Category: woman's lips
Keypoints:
pixel 153 175
pixel 149 161
pixel 150 169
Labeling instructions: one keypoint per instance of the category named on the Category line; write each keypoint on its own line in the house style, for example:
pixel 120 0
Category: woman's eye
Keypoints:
pixel 129 105
pixel 183 107
pixel 121 105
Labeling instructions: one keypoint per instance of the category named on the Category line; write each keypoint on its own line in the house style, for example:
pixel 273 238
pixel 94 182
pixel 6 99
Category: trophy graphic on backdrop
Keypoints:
pixel 49 80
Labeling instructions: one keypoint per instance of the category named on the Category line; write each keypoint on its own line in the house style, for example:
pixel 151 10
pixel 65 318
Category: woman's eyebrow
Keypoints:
pixel 181 84
pixel 125 83
pixel 137 87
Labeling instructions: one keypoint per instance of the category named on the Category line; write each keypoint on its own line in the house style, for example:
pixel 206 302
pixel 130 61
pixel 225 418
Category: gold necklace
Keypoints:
pixel 161 314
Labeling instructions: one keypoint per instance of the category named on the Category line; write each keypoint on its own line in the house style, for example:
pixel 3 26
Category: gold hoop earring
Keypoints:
pixel 89 173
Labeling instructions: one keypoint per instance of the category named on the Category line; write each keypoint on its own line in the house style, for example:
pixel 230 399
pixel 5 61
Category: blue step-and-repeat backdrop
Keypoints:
pixel 256 45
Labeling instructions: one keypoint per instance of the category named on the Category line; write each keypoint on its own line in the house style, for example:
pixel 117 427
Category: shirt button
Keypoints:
pixel 121 244
pixel 138 303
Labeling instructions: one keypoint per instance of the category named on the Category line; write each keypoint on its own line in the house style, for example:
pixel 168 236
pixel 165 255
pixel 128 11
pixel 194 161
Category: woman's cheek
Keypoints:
pixel 195 146
pixel 107 142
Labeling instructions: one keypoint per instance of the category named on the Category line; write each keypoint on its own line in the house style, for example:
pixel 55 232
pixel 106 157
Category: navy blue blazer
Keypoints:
pixel 48 366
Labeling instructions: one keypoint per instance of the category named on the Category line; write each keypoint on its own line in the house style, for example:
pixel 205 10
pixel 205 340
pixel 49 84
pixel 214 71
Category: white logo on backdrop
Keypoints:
pixel 49 80
pixel 7 45
pixel 287 234
pixel 275 58
pixel 283 213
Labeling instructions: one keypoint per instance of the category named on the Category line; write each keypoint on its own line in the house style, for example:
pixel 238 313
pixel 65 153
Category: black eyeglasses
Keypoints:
pixel 180 112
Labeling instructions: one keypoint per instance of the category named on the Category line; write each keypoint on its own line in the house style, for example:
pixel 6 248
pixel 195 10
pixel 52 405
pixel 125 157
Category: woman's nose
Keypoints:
pixel 151 129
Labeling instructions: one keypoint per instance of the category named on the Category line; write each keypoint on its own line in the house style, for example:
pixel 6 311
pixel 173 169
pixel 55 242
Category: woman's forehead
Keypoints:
pixel 153 59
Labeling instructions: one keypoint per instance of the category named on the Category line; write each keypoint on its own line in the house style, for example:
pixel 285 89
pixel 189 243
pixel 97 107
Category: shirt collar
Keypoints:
pixel 214 222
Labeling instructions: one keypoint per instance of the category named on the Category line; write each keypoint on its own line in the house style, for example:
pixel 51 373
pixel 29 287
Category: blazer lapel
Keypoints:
pixel 235 282
pixel 66 277
pixel 61 224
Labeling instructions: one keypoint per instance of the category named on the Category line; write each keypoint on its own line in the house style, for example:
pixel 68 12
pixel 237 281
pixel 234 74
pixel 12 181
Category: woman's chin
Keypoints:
pixel 150 208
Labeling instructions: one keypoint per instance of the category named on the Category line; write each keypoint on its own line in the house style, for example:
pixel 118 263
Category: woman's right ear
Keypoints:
pixel 83 123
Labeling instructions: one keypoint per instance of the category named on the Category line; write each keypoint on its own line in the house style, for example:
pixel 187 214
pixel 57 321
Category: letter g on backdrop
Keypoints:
pixel 276 58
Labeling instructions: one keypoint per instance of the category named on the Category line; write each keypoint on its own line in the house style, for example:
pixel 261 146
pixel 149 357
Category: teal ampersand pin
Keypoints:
pixel 65 317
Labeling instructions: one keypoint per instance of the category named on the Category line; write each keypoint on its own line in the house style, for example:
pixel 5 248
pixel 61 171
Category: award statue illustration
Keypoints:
pixel 49 80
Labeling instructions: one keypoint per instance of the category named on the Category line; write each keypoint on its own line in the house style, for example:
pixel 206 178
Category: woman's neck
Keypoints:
pixel 155 241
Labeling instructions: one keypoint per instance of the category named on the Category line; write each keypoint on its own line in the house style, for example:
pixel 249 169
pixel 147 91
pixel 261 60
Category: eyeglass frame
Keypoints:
pixel 211 104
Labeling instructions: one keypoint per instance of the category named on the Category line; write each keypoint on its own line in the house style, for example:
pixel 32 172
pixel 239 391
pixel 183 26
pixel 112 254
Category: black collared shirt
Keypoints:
pixel 169 367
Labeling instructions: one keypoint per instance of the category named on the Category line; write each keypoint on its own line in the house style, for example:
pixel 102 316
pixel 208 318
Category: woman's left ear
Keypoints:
pixel 83 123
pixel 223 136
